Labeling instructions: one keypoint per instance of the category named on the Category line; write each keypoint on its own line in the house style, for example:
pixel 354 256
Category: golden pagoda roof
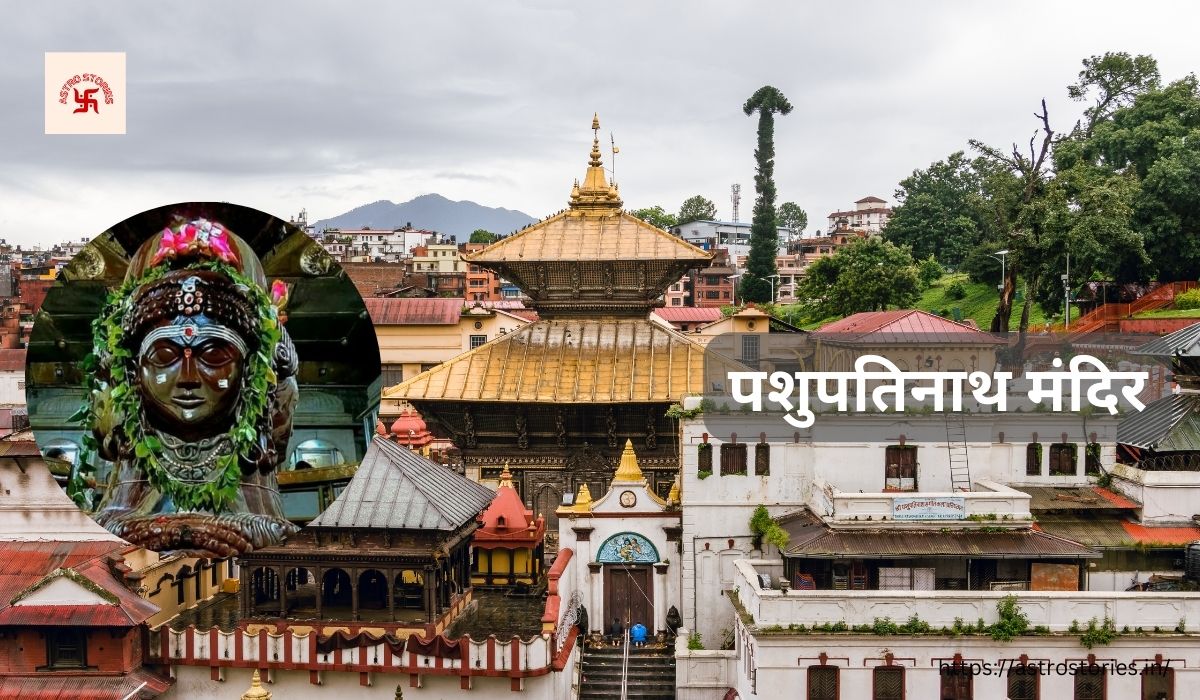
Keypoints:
pixel 608 360
pixel 628 469
pixel 593 229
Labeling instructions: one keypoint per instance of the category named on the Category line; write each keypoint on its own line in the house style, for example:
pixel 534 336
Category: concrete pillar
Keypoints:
pixel 353 594
pixel 320 574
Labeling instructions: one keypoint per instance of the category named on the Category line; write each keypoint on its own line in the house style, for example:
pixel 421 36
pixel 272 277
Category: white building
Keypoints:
pixel 869 214
pixel 733 237
pixel 371 245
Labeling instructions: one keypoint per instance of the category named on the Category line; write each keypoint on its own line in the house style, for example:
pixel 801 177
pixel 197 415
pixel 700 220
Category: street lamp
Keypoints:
pixel 999 255
pixel 772 278
pixel 1066 280
pixel 733 277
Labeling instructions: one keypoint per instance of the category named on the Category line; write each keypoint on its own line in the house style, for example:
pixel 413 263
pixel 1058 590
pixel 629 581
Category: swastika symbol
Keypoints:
pixel 86 101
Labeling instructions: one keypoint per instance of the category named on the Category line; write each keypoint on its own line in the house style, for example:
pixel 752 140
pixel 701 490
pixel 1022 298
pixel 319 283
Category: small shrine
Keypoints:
pixel 627 537
pixel 393 548
pixel 509 542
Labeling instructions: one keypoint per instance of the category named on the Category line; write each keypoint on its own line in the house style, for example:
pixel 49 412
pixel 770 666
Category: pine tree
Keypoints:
pixel 764 236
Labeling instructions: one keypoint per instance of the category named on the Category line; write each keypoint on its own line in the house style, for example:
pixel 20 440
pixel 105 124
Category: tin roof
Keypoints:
pixel 908 543
pixel 396 311
pixel 689 314
pixel 1112 531
pixel 902 326
pixel 396 488
pixel 139 684
pixel 1167 425
pixel 1075 498
pixel 1169 345
pixel 606 360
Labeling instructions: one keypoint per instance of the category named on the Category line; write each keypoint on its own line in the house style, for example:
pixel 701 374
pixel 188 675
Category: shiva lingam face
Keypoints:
pixel 190 377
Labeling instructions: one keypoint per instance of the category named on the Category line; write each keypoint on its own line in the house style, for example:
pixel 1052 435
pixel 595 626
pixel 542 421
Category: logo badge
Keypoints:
pixel 85 93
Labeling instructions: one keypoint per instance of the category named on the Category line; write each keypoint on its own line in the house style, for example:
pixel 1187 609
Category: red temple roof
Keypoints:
pixel 507 523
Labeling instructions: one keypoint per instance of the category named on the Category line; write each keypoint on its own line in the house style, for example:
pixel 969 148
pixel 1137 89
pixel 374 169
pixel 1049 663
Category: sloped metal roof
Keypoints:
pixel 1167 346
pixel 903 326
pixel 140 683
pixel 1167 425
pixel 396 488
pixel 901 543
pixel 1075 498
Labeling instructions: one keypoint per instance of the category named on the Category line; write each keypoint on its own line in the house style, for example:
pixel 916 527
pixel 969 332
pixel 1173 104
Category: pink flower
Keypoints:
pixel 279 293
pixel 199 238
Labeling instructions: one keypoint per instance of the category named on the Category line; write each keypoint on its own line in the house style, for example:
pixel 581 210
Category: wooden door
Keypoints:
pixel 628 595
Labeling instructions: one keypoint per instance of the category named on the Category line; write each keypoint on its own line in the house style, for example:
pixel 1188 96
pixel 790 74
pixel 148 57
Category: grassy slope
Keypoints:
pixel 979 304
pixel 1169 313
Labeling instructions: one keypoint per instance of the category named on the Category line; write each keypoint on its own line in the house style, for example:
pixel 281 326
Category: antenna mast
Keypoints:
pixel 735 196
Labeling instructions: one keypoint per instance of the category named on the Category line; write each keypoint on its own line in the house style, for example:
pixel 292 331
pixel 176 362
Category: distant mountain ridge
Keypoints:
pixel 432 212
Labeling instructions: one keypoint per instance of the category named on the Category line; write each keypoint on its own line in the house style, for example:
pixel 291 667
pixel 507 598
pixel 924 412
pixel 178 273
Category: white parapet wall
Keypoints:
pixel 1055 610
pixel 989 500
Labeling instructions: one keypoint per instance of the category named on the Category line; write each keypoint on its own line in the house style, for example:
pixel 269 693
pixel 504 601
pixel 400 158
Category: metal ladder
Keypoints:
pixel 956 448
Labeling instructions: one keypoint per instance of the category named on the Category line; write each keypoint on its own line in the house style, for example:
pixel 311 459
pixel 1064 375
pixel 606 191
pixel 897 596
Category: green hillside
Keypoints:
pixel 979 304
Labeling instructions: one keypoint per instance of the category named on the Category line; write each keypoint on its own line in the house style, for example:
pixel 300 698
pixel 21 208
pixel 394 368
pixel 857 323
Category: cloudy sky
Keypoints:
pixel 326 106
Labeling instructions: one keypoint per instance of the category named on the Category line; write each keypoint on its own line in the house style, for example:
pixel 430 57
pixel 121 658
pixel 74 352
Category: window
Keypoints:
pixel 66 648
pixel 762 459
pixel 704 458
pixel 957 682
pixel 20 385
pixel 724 295
pixel 676 301
pixel 477 340
pixel 393 374
pixel 712 279
pixel 887 683
pixel 733 458
pixel 478 283
pixel 1063 457
pixel 900 468
pixel 1158 683
pixel 712 294
pixel 750 350
pixel 1033 459
pixel 1089 682
pixel 1023 682
pixel 316 453
pixel 822 683
pixel 426 366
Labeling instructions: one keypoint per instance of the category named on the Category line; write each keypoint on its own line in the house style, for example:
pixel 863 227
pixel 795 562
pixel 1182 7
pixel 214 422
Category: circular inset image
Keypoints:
pixel 202 377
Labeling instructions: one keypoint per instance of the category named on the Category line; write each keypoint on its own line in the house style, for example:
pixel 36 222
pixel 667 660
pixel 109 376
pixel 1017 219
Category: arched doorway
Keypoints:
pixel 626 558
pixel 336 590
pixel 372 590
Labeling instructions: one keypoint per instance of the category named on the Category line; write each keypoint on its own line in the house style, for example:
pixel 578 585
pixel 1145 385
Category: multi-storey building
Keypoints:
pixel 869 214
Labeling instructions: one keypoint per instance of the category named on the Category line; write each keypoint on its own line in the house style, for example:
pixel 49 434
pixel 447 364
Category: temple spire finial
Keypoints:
pixel 595 193
pixel 628 470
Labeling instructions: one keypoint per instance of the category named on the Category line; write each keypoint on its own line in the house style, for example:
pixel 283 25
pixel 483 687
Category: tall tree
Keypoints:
pixel 1019 186
pixel 696 208
pixel 869 274
pixel 941 211
pixel 656 216
pixel 791 216
pixel 764 234
pixel 1113 81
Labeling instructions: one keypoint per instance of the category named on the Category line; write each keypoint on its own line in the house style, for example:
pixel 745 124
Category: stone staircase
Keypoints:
pixel 651 673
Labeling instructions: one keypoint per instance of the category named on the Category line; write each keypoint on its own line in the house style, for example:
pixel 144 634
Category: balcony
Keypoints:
pixel 989 503
pixel 1053 610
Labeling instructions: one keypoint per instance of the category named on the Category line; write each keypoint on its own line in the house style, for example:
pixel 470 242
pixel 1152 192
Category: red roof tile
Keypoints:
pixel 387 311
pixel 140 684
pixel 26 563
pixel 689 314
pixel 1115 498
pixel 902 326
pixel 1145 534
pixel 506 521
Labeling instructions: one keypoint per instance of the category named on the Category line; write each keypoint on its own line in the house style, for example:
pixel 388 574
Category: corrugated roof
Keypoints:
pixel 1079 498
pixel 1167 425
pixel 1182 340
pixel 1118 532
pixel 1166 536
pixel 573 361
pixel 140 684
pixel 902 326
pixel 904 543
pixel 397 488
pixel 575 235
pixel 395 311
pixel 689 314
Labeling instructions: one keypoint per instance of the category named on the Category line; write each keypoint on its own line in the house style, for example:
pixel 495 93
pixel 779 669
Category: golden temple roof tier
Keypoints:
pixel 584 361
pixel 579 262
pixel 592 258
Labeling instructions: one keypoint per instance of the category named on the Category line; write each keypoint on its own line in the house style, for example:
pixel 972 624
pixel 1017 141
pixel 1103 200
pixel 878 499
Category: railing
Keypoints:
pixel 1157 298
pixel 1055 610
pixel 625 668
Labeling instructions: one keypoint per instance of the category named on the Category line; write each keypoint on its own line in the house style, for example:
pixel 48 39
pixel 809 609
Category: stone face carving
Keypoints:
pixel 192 396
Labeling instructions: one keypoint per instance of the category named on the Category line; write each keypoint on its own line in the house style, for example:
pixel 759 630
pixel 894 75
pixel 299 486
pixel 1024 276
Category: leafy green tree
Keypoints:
pixel 764 234
pixel 868 274
pixel 941 212
pixel 483 236
pixel 1113 80
pixel 656 216
pixel 697 208
pixel 929 271
pixel 791 216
